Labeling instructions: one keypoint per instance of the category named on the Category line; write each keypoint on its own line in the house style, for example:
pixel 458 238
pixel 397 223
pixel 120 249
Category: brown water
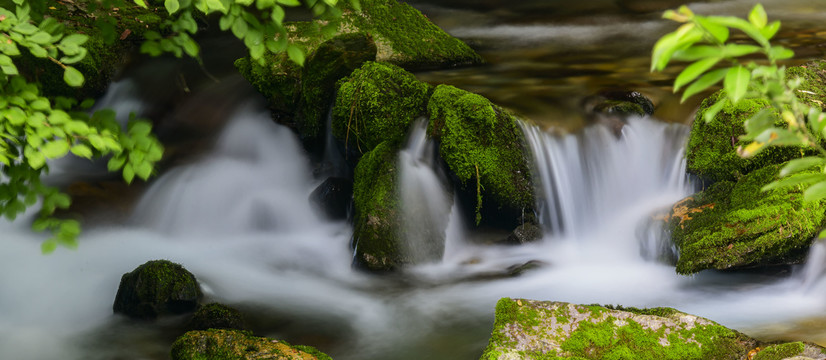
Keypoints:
pixel 545 57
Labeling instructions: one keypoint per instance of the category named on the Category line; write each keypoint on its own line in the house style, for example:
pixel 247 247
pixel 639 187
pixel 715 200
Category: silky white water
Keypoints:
pixel 239 219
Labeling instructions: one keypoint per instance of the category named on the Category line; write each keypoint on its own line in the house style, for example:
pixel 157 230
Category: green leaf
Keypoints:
pixel 25 28
pixel 40 37
pixel 815 192
pixel 759 123
pixel 116 163
pixel 35 158
pixel 40 104
pixel 141 3
pixel 295 54
pixel 711 112
pixel 736 83
pixel 780 53
pixel 49 246
pixel 215 5
pixel 743 26
pixel 697 52
pixel 140 128
pixel 58 117
pixel 82 151
pixel 737 50
pixel 704 82
pixel 769 31
pixel 128 173
pixel 278 14
pixel 289 2
pixel 153 48
pixel 144 170
pixel 74 40
pixel 719 32
pixel 794 180
pixel 694 70
pixel 15 115
pixel 73 77
pixel 757 16
pixel 171 6
pixel 798 165
pixel 263 4
pixel 55 149
pixel 244 2
pixel 239 28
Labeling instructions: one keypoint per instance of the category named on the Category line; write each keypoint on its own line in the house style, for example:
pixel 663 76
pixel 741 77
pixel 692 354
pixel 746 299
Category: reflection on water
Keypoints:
pixel 544 57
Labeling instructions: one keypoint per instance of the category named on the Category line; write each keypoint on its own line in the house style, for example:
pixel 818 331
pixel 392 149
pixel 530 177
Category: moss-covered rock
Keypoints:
pixel 712 146
pixel 527 329
pixel 106 49
pixel 377 220
pixel 736 225
pixel 377 103
pixel 156 288
pixel 218 344
pixel 812 89
pixel 484 148
pixel 216 316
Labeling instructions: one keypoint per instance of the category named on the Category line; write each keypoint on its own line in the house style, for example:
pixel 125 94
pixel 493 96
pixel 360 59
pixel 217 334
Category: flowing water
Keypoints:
pixel 237 216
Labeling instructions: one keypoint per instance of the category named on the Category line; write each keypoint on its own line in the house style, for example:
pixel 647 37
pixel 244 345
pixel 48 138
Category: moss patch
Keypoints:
pixel 735 225
pixel 377 215
pixel 812 89
pixel 238 345
pixel 527 329
pixel 155 288
pixel 779 352
pixel 483 146
pixel 377 103
pixel 216 316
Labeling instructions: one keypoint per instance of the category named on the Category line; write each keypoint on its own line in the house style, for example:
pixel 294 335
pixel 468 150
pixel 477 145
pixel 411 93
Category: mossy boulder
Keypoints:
pixel 712 146
pixel 736 225
pixel 222 344
pixel 793 350
pixel 156 288
pixel 216 316
pixel 484 148
pixel 812 89
pixel 527 329
pixel 378 102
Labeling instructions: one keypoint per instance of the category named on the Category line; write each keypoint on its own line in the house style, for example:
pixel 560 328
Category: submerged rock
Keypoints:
pixel 736 225
pixel 156 288
pixel 238 345
pixel 333 198
pixel 216 316
pixel 485 150
pixel 528 329
pixel 523 234
pixel 377 103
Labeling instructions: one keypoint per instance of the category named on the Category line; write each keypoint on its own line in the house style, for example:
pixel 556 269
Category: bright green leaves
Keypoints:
pixel 295 54
pixel 73 77
pixel 694 70
pixel 171 6
pixel 757 16
pixel 736 83
pixel 141 3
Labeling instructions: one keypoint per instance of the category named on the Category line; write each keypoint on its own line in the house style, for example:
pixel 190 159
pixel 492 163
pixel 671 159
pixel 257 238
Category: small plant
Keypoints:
pixel 705 42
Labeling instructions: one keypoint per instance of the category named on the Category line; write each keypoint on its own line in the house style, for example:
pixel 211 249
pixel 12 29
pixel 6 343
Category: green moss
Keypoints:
pixel 734 225
pixel 712 147
pixel 407 38
pixel 217 344
pixel 483 146
pixel 781 351
pixel 376 202
pixel 216 316
pixel 279 84
pixel 155 288
pixel 377 103
pixel 532 330
pixel 812 89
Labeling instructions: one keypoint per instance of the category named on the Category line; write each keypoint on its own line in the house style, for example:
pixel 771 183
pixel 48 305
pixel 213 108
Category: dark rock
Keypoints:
pixel 216 316
pixel 633 97
pixel 333 198
pixel 156 288
pixel 524 234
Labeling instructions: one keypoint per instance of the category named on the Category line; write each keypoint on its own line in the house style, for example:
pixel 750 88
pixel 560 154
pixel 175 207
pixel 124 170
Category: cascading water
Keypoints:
pixel 426 202
pixel 238 218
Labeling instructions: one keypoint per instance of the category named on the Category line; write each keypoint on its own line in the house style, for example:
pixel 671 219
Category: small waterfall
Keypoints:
pixel 592 177
pixel 811 275
pixel 426 201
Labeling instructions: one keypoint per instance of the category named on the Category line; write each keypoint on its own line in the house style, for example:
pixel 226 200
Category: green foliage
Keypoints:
pixel 705 41
pixel 35 127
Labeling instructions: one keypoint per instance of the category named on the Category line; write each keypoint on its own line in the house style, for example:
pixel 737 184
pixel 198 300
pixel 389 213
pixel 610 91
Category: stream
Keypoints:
pixel 233 209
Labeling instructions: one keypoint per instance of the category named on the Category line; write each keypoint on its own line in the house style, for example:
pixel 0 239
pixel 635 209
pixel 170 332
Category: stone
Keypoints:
pixel 216 316
pixel 158 287
pixel 223 344
pixel 333 198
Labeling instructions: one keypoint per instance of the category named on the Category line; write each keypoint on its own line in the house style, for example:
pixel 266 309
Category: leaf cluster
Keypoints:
pixel 705 42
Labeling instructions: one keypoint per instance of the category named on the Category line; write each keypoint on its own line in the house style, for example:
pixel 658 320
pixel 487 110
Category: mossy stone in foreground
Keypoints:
pixel 156 288
pixel 527 329
pixel 736 225
pixel 712 147
pixel 376 232
pixel 483 146
pixel 218 344
pixel 216 316
pixel 377 103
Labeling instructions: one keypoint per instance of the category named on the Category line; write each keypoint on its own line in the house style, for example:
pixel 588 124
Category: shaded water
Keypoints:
pixel 238 218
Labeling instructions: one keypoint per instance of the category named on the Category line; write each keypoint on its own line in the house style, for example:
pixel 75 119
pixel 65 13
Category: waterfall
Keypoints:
pixel 426 201
pixel 588 178
pixel 811 275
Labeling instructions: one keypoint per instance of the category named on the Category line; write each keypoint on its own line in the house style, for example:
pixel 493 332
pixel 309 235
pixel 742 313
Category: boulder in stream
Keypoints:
pixel 156 288
pixel 226 344
pixel 485 150
pixel 528 329
pixel 216 316
pixel 333 198
pixel 736 225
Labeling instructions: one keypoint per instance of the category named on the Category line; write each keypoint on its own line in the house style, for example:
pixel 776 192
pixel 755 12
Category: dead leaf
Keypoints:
pixel 125 34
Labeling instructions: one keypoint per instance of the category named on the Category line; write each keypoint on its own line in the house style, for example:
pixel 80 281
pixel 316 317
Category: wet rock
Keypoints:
pixel 216 316
pixel 157 288
pixel 524 234
pixel 734 225
pixel 485 152
pixel 629 97
pixel 333 198
pixel 545 329
pixel 241 345
pixel 377 103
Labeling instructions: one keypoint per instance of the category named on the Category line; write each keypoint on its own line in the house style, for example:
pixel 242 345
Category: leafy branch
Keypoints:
pixel 705 42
